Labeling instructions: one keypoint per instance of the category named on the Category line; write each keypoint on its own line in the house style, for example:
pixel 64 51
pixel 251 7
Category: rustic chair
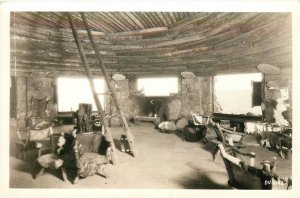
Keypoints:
pixel 93 154
pixel 52 159
pixel 38 131
pixel 223 134
pixel 35 143
pixel 245 176
pixel 86 154
pixel 39 118
pixel 22 144
pixel 39 107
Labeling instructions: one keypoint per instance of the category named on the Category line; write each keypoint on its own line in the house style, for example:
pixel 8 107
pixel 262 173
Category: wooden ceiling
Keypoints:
pixel 141 43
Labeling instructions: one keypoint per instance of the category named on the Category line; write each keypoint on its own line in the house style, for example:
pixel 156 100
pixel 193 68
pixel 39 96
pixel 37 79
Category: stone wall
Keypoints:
pixel 38 88
pixel 122 91
pixel 21 100
pixel 275 83
pixel 195 95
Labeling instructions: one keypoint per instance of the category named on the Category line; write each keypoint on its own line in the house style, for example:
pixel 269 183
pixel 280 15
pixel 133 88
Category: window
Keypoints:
pixel 162 86
pixel 234 93
pixel 72 91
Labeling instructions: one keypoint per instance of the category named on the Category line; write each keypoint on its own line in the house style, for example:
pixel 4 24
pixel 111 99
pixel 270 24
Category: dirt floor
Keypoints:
pixel 164 162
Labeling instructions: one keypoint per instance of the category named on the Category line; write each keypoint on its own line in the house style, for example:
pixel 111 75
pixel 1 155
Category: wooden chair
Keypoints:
pixel 38 107
pixel 225 136
pixel 38 131
pixel 51 160
pixel 21 145
pixel 244 175
pixel 85 154
pixel 35 143
pixel 93 154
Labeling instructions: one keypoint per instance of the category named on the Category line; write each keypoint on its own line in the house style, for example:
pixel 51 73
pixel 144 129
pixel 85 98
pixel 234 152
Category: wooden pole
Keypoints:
pixel 90 78
pixel 111 89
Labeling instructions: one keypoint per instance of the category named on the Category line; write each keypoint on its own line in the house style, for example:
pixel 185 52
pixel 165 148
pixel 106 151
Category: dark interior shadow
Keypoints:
pixel 208 179
pixel 31 168
pixel 207 146
pixel 56 173
pixel 71 175
pixel 210 147
pixel 23 167
pixel 204 179
pixel 179 134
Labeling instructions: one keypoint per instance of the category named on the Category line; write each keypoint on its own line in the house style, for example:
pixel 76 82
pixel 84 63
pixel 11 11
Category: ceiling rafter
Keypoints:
pixel 149 42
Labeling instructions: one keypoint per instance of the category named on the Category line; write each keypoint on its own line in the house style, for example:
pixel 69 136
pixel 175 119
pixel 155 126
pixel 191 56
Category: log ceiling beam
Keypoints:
pixel 139 32
pixel 154 41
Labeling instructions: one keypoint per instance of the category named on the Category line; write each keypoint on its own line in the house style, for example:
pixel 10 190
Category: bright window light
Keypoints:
pixel 72 91
pixel 162 86
pixel 234 93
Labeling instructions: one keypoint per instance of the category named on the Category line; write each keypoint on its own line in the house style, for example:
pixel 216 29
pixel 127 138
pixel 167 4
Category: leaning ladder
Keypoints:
pixel 126 128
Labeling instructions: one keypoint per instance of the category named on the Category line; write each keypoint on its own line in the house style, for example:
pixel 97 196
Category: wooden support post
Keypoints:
pixel 111 89
pixel 90 78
